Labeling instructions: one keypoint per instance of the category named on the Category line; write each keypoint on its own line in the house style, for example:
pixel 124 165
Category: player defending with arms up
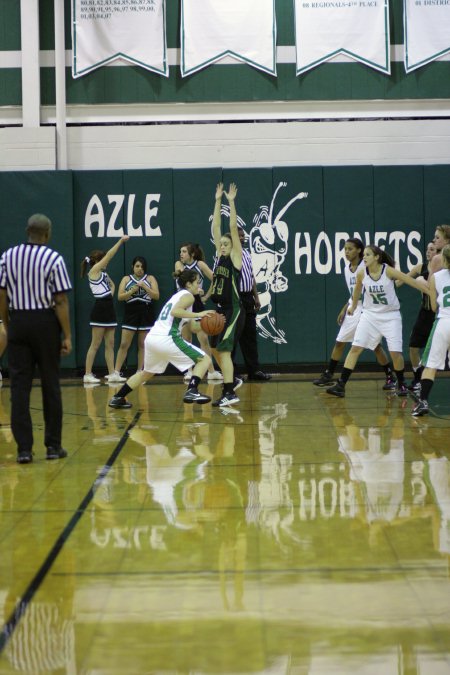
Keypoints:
pixel 225 293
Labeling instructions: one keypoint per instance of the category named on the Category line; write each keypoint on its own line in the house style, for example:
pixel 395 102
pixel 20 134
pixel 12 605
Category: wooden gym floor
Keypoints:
pixel 295 533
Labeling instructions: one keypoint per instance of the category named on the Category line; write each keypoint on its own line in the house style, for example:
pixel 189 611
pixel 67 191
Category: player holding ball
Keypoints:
pixel 164 344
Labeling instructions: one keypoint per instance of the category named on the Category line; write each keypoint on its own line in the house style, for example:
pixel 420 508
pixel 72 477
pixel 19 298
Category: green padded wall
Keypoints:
pixel 296 243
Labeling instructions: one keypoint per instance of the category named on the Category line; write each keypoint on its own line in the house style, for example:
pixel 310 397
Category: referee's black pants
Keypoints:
pixel 34 338
pixel 248 338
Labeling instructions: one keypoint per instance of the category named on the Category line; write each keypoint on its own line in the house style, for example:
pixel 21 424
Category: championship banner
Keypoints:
pixel 242 29
pixel 106 30
pixel 355 28
pixel 427 31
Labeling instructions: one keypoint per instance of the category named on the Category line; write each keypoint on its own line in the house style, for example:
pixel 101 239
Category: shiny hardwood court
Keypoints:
pixel 295 533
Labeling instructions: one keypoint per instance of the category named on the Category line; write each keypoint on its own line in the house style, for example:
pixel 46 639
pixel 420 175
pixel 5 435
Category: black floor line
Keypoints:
pixel 22 604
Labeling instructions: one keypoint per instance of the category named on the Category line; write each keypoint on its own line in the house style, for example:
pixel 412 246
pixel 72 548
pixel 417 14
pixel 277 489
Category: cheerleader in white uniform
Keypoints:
pixel 438 343
pixel 138 291
pixel 354 249
pixel 103 316
pixel 380 316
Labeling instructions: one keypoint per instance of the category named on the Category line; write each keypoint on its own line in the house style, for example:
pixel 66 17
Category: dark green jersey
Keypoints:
pixel 225 283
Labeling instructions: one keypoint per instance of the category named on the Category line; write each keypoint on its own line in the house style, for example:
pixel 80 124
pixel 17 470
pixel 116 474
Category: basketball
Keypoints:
pixel 213 324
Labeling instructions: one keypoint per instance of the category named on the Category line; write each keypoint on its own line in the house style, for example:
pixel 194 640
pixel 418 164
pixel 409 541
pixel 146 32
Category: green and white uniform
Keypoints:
pixel 380 316
pixel 164 343
pixel 439 341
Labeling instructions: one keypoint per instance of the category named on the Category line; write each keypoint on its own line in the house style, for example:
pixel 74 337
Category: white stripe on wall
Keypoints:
pixel 13 59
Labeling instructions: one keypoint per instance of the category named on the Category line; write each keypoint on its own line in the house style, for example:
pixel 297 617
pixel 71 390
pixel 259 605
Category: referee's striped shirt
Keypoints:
pixel 246 277
pixel 31 275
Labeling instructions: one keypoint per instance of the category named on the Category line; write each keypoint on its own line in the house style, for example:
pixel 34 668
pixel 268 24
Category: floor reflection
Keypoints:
pixel 301 535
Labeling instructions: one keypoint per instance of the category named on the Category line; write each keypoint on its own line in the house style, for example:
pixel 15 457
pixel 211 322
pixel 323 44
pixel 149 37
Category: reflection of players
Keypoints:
pixel 376 460
pixel 439 479
pixel 270 504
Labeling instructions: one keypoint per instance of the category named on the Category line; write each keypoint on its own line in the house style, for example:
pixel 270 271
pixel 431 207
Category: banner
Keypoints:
pixel 106 30
pixel 356 28
pixel 427 31
pixel 242 29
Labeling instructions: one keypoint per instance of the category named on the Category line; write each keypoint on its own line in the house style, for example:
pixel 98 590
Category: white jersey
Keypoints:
pixel 350 280
pixel 442 281
pixel 380 295
pixel 193 266
pixel 166 324
pixel 100 287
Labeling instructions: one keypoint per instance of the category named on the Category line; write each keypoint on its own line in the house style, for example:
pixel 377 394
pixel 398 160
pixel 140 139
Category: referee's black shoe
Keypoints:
pixel 24 457
pixel 259 376
pixel 56 453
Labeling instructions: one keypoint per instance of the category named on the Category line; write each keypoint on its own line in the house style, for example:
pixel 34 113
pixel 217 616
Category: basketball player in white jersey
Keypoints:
pixel 439 341
pixel 164 344
pixel 380 317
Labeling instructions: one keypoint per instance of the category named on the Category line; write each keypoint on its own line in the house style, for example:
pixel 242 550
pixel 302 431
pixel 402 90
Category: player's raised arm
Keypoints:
pixel 236 251
pixel 216 228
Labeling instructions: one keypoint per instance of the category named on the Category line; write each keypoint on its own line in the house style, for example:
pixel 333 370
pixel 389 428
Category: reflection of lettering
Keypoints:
pixel 328 497
pixel 136 538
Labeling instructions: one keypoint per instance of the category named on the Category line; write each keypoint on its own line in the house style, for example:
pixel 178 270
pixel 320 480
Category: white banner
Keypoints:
pixel 427 31
pixel 242 29
pixel 106 30
pixel 357 28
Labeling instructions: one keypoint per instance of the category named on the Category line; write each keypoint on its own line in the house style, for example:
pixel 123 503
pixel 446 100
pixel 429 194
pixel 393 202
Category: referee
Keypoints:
pixel 250 302
pixel 35 309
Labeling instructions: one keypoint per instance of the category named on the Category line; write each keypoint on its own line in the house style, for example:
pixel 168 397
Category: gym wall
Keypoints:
pixel 296 243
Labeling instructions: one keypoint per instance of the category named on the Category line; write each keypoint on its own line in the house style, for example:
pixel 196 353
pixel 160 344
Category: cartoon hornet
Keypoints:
pixel 268 246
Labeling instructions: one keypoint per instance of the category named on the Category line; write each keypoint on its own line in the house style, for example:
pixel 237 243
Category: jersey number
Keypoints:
pixel 218 286
pixel 165 311
pixel 379 298
pixel 446 292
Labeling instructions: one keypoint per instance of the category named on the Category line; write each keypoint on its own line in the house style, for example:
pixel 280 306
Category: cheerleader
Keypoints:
pixel 103 316
pixel 138 291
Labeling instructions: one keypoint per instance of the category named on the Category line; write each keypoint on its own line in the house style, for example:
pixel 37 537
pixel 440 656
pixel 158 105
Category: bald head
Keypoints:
pixel 38 228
